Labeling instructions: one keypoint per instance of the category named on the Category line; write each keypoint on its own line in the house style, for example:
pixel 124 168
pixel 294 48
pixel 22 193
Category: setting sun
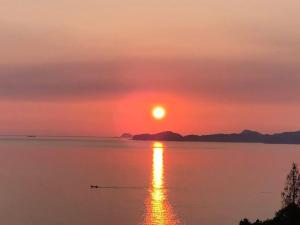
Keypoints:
pixel 158 112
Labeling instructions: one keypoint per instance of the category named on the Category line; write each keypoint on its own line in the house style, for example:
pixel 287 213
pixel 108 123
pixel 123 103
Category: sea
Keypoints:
pixel 113 181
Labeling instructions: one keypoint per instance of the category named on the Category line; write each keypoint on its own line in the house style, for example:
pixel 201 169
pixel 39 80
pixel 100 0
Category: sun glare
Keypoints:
pixel 158 112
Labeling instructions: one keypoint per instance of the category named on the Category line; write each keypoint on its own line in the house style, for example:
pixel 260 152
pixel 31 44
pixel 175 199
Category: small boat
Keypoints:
pixel 31 136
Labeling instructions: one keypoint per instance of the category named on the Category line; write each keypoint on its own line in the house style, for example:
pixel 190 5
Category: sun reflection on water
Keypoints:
pixel 159 211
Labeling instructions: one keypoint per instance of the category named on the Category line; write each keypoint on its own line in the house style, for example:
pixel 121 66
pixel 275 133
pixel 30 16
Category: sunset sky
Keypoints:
pixel 97 67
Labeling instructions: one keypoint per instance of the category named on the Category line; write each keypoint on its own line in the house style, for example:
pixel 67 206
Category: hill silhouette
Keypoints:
pixel 247 136
pixel 162 136
pixel 126 135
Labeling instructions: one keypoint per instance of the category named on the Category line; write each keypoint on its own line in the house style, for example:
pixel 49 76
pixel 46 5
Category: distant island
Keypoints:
pixel 126 135
pixel 247 136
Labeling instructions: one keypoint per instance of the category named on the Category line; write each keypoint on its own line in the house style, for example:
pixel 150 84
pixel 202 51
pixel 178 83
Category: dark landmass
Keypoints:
pixel 247 136
pixel 162 136
pixel 126 135
pixel 289 215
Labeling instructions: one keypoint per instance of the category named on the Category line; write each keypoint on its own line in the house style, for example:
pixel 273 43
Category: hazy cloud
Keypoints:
pixel 221 81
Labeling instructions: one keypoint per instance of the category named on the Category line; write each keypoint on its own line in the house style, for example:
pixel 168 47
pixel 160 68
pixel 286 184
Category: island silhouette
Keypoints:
pixel 126 135
pixel 247 136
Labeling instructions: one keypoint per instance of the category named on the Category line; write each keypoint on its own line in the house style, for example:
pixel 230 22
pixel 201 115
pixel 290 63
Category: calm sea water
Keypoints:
pixel 47 181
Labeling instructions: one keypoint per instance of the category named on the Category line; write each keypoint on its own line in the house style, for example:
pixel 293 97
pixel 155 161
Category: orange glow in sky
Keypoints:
pixel 213 69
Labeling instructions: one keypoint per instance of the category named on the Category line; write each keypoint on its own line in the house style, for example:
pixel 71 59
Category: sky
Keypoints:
pixel 97 67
